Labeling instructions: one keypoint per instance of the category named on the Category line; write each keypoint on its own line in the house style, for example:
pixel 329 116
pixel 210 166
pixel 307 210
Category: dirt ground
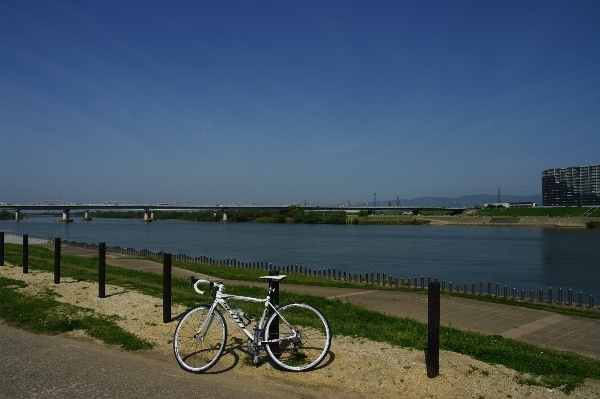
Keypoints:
pixel 357 366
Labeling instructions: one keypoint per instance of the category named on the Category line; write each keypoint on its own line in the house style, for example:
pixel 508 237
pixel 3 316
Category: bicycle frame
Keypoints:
pixel 198 344
pixel 222 298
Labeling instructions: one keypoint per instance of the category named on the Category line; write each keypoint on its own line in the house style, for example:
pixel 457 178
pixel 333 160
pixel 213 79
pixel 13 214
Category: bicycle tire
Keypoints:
pixel 195 353
pixel 312 337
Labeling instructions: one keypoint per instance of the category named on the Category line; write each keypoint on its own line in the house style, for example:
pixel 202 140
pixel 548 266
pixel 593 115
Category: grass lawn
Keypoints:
pixel 536 212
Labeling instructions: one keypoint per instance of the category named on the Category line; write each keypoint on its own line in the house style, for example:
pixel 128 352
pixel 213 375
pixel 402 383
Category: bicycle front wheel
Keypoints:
pixel 199 339
pixel 298 338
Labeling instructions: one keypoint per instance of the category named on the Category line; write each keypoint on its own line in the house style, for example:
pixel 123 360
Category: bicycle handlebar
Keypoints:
pixel 194 282
pixel 200 282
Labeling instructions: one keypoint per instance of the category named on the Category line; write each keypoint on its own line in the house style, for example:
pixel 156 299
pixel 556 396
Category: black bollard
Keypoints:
pixel 432 357
pixel 570 297
pixel 25 254
pixel 560 296
pixel 167 288
pixel 102 270
pixel 57 260
pixel 1 248
pixel 274 328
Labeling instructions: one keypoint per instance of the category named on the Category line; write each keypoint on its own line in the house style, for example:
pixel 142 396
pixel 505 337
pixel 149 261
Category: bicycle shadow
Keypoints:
pixel 327 360
pixel 230 358
pixel 237 347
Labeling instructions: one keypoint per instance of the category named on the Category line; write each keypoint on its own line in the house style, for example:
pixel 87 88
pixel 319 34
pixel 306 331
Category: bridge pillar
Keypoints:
pixel 147 217
pixel 152 216
pixel 65 217
pixel 17 216
pixel 224 216
pixel 86 217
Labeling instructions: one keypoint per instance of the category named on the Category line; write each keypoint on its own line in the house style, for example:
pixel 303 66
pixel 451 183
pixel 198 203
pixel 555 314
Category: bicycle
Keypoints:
pixel 296 336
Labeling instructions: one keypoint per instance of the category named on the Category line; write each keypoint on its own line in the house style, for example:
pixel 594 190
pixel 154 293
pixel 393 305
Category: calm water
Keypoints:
pixel 521 257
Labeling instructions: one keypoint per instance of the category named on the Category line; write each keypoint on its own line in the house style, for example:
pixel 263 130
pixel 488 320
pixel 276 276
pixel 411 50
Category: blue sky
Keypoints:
pixel 278 102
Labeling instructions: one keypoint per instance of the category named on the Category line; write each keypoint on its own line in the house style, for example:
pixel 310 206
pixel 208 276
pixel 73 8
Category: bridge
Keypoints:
pixel 149 209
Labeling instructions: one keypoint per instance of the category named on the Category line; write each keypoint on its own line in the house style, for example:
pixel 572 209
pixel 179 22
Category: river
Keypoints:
pixel 527 258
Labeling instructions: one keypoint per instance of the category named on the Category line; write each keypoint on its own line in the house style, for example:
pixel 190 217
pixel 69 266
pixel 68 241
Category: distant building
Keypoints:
pixel 497 205
pixel 573 186
pixel 522 204
pixel 510 205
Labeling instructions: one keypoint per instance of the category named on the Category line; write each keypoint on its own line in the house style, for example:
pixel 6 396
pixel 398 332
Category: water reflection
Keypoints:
pixel 571 258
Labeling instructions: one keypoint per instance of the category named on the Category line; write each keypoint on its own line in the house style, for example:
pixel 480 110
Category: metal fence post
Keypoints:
pixel 102 270
pixel 570 297
pixel 25 254
pixel 274 328
pixel 167 288
pixel 560 296
pixel 432 354
pixel 57 260
pixel 1 248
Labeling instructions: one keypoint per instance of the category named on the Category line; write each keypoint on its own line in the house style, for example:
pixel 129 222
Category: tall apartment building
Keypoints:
pixel 573 186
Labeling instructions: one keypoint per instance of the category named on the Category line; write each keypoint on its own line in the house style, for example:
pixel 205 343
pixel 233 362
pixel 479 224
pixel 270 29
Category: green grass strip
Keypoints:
pixel 541 366
pixel 250 275
pixel 42 313
pixel 535 212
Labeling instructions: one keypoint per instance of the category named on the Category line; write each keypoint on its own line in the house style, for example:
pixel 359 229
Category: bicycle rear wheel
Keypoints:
pixel 199 339
pixel 303 339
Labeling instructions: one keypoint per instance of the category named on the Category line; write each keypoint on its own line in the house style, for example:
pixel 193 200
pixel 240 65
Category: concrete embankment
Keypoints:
pixel 509 221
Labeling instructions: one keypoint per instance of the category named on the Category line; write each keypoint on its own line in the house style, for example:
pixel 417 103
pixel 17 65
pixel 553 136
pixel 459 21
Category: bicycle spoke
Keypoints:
pixel 303 339
pixel 198 350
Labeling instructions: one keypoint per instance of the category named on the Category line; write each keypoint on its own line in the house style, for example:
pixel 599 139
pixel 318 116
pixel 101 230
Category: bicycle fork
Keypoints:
pixel 204 327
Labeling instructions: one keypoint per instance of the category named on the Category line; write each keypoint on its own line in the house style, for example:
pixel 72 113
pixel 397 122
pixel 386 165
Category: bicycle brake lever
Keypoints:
pixel 192 281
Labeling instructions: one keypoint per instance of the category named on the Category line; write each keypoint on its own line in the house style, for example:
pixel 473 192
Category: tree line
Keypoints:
pixel 291 215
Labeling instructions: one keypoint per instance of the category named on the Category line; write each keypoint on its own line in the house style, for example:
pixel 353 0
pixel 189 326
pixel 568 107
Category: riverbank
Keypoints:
pixel 549 222
pixel 357 366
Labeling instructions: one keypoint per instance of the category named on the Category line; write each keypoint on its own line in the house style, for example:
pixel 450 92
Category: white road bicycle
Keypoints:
pixel 295 336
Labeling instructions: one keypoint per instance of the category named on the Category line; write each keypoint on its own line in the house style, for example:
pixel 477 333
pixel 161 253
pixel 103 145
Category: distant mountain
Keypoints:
pixel 464 201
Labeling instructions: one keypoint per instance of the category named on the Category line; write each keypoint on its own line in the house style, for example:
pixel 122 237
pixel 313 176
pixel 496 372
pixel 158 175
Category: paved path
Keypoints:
pixel 538 327
pixel 46 366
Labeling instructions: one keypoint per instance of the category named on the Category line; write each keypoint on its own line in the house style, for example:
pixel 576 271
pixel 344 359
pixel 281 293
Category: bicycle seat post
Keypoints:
pixel 274 295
